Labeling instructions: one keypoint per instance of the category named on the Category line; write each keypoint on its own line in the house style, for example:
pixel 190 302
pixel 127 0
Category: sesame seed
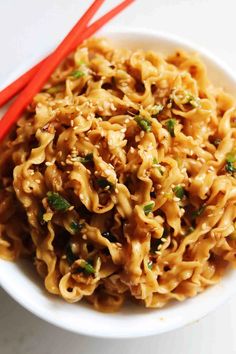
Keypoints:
pixel 142 134
pixel 204 226
pixel 48 163
pixel 200 159
pixel 106 104
pixel 175 199
pixel 113 108
pixel 108 172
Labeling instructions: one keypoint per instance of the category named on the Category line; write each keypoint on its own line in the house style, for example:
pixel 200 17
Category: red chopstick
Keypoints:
pixel 46 67
pixel 15 87
pixel 21 82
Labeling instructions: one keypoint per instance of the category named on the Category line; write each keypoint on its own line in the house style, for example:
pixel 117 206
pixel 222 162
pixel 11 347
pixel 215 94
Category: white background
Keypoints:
pixel 27 28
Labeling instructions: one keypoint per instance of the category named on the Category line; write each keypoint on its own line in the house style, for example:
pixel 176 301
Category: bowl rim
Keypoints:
pixel 182 321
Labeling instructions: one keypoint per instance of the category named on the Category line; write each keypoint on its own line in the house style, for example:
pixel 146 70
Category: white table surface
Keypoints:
pixel 28 27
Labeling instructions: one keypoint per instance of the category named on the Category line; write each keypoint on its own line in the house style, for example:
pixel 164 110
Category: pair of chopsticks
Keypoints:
pixel 30 83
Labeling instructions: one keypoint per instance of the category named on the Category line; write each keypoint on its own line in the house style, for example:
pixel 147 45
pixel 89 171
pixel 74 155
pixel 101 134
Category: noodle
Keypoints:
pixel 119 180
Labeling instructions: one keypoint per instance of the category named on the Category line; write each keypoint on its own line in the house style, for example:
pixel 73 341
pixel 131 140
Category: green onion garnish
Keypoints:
pixel 154 161
pixel 194 101
pixel 170 124
pixel 148 207
pixel 57 202
pixel 143 123
pixel 88 268
pixel 230 167
pixel 76 227
pixel 231 156
pixel 85 268
pixel 104 183
pixel 86 159
pixel 150 264
pixel 77 74
pixel 179 192
pixel 230 159
pixel 157 165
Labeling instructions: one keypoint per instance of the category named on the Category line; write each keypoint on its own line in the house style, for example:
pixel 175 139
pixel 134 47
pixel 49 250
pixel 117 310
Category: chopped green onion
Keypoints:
pixel 86 159
pixel 154 161
pixel 150 264
pixel 198 212
pixel 109 236
pixel 77 74
pixel 160 170
pixel 143 123
pixel 179 192
pixel 148 207
pixel 88 268
pixel 85 268
pixel 170 124
pixel 55 89
pixel 70 257
pixel 231 156
pixel 155 110
pixel 57 202
pixel 104 183
pixel 194 101
pixel 230 167
pixel 157 165
pixel 76 227
pixel 230 159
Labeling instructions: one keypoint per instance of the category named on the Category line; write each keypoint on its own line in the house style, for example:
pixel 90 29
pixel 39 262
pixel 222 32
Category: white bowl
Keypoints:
pixel 21 282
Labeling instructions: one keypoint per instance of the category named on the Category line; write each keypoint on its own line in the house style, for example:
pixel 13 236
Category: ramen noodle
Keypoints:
pixel 119 180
